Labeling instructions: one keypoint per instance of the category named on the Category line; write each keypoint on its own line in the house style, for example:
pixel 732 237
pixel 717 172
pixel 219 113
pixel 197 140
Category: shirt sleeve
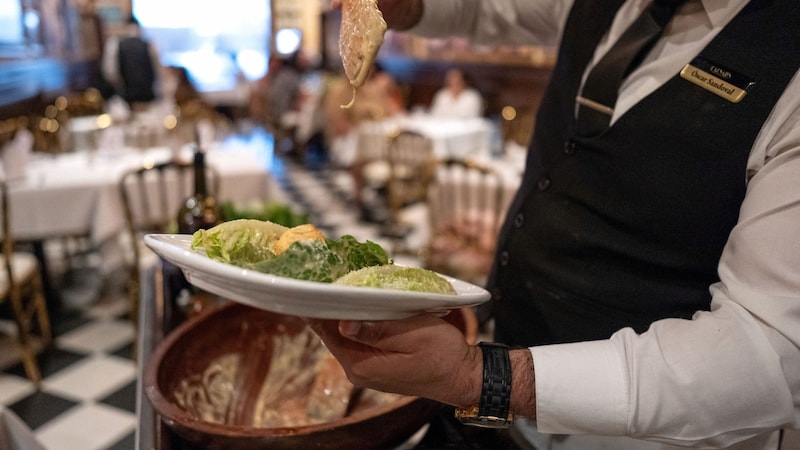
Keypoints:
pixel 728 374
pixel 503 22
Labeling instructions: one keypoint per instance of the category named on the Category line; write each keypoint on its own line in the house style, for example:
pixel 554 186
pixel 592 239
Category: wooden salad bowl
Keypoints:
pixel 236 329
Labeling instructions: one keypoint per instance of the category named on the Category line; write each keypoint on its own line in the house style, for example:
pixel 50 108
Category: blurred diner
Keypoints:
pixel 277 98
pixel 132 65
pixel 457 99
pixel 378 99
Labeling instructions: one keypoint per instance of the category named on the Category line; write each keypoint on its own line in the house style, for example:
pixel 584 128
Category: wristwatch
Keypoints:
pixel 494 410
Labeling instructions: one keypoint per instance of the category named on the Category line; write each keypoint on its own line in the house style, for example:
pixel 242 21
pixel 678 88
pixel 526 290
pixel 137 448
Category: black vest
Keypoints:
pixel 627 228
pixel 136 70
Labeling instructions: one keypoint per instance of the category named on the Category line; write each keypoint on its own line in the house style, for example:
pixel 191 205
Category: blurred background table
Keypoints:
pixel 76 195
pixel 451 137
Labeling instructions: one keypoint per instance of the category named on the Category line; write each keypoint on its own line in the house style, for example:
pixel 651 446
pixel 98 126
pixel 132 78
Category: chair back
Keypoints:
pixel 372 143
pixel 151 197
pixel 466 204
pixel 21 285
pixel 411 169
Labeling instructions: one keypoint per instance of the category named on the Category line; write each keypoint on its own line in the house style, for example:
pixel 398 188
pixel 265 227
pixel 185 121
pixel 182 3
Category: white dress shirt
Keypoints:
pixel 467 104
pixel 728 377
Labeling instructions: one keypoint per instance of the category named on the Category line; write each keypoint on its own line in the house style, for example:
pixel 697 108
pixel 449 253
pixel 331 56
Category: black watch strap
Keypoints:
pixel 496 390
pixel 494 409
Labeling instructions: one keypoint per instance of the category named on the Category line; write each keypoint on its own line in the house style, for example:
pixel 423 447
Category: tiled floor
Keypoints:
pixel 88 395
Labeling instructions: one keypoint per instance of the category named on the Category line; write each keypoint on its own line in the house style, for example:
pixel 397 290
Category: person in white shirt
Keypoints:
pixel 647 276
pixel 456 99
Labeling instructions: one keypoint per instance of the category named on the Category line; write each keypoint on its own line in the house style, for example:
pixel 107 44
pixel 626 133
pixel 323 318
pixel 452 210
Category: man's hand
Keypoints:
pixel 421 356
pixel 399 14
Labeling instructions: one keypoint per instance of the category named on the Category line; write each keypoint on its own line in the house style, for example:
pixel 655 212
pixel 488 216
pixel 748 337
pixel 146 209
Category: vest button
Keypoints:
pixel 504 258
pixel 519 219
pixel 543 183
pixel 569 147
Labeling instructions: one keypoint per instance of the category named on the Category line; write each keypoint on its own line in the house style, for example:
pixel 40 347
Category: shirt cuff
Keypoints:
pixel 581 388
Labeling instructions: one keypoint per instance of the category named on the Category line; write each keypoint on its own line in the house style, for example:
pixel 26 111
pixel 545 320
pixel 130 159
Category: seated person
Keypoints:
pixel 181 87
pixel 379 98
pixel 457 99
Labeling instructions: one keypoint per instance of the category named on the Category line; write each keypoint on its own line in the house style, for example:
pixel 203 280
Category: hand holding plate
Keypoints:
pixel 422 356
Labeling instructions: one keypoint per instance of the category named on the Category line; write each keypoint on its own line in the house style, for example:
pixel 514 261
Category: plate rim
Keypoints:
pixel 175 249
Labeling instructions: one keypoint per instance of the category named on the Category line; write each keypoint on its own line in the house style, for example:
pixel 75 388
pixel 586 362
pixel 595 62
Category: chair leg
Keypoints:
pixel 133 295
pixel 23 338
pixel 30 364
pixel 134 289
pixel 43 316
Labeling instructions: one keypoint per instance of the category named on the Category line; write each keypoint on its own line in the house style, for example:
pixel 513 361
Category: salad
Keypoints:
pixel 303 252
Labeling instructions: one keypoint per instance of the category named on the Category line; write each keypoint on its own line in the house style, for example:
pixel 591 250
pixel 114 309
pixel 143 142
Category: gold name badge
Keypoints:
pixel 717 79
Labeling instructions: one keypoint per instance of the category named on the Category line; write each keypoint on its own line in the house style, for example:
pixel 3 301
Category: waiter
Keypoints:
pixel 131 64
pixel 647 277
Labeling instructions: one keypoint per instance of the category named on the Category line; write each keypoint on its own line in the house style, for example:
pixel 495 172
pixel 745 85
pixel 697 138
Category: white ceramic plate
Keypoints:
pixel 306 298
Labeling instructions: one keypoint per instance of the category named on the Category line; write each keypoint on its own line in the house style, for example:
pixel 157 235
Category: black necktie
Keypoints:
pixel 599 95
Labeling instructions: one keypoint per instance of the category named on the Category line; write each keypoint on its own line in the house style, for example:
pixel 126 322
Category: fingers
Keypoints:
pixel 336 4
pixel 422 356
pixel 390 335
pixel 400 336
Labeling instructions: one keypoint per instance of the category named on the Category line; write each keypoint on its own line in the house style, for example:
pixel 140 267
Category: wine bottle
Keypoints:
pixel 200 210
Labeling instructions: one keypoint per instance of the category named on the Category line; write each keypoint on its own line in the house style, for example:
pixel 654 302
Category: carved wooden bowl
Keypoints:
pixel 250 335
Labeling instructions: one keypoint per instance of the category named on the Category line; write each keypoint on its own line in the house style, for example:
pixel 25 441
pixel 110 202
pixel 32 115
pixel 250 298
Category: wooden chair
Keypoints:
pixel 466 206
pixel 412 165
pixel 21 288
pixel 151 196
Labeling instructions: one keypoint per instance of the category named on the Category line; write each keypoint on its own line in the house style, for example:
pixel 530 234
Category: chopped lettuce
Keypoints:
pixel 249 244
pixel 316 260
pixel 398 277
pixel 240 242
pixel 357 255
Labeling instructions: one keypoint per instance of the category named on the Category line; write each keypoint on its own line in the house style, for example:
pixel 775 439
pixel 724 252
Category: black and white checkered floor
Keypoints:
pixel 88 394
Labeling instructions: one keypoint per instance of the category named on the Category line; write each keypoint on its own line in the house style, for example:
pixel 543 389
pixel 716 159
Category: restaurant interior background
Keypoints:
pixel 67 207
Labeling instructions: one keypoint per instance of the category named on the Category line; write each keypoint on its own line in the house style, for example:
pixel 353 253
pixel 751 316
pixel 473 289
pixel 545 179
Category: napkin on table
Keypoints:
pixel 16 155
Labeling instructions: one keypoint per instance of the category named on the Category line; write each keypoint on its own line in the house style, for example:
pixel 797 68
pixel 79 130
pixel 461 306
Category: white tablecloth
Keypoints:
pixel 77 194
pixel 451 137
pixel 15 434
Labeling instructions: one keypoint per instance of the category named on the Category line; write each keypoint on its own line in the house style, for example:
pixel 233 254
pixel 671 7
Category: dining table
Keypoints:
pixel 76 194
pixel 451 137
pixel 474 139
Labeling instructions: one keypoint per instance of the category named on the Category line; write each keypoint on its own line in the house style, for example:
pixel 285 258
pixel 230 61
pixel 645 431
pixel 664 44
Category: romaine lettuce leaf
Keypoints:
pixel 401 278
pixel 239 242
pixel 316 260
pixel 250 243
